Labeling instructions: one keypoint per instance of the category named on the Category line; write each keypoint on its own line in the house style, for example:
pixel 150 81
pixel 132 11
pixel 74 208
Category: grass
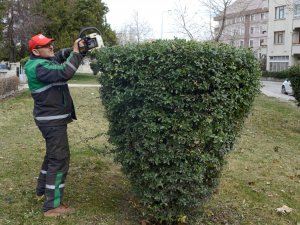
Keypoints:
pixel 262 173
pixel 84 78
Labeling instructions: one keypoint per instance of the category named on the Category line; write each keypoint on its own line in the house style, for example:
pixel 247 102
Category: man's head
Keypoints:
pixel 42 46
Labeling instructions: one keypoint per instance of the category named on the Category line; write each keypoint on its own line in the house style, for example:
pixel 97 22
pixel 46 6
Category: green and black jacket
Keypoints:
pixel 47 81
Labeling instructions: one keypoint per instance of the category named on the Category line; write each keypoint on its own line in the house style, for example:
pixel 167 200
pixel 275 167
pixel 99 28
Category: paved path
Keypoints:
pixel 273 89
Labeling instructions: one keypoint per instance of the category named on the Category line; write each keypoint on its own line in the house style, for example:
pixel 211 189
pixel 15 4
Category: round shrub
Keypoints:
pixel 175 108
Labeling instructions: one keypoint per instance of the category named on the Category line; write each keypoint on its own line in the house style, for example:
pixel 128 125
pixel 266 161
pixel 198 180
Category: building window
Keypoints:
pixel 261 42
pixel 227 21
pixel 252 17
pixel 262 29
pixel 296 37
pixel 251 43
pixel 242 19
pixel 252 30
pixel 280 12
pixel 278 66
pixel 279 37
pixel 262 16
pixel 242 31
pixel 279 58
pixel 279 63
pixel 297 9
pixel 241 44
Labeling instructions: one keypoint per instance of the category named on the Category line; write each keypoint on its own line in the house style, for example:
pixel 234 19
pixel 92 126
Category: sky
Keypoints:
pixel 157 13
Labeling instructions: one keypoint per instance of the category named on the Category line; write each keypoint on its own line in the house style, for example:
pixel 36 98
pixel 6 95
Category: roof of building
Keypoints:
pixel 246 5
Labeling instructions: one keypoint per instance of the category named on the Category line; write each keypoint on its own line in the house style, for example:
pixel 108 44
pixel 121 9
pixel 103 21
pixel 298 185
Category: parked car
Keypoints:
pixel 3 68
pixel 286 87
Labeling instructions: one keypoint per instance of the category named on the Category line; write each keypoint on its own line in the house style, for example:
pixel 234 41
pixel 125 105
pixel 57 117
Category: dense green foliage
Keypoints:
pixel 60 19
pixel 279 75
pixel 68 17
pixel 294 76
pixel 94 67
pixel 175 109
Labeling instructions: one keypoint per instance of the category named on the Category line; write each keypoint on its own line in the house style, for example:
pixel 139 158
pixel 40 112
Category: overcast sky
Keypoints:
pixel 155 12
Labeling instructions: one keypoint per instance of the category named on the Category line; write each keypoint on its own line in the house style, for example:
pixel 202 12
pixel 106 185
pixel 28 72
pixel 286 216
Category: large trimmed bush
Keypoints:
pixel 294 76
pixel 175 109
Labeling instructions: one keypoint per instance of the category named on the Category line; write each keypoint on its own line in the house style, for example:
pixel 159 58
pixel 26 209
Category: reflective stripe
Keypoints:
pixel 48 86
pixel 43 118
pixel 71 65
pixel 43 171
pixel 52 187
pixel 63 53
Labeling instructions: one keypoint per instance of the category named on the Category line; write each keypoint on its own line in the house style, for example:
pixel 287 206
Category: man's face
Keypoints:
pixel 45 51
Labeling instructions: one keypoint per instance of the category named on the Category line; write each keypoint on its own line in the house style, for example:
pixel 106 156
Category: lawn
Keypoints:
pixel 84 78
pixel 262 173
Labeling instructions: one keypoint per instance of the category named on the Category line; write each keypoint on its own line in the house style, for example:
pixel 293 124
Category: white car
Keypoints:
pixel 3 68
pixel 286 88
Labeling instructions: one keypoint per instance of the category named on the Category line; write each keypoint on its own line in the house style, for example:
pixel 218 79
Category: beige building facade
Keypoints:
pixel 284 38
pixel 246 25
pixel 270 27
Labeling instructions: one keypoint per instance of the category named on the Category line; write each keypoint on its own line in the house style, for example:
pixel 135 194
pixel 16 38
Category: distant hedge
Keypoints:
pixel 294 77
pixel 279 75
pixel 175 108
pixel 8 86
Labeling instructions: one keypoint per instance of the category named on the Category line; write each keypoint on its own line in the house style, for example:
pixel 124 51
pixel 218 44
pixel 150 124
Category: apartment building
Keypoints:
pixel 284 34
pixel 246 25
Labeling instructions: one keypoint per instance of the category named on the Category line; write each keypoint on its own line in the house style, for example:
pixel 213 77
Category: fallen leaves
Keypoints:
pixel 284 210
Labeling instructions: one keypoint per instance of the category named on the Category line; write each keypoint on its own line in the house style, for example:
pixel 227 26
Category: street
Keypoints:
pixel 273 89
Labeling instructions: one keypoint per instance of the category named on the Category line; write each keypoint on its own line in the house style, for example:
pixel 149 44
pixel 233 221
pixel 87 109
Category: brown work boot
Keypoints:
pixel 59 211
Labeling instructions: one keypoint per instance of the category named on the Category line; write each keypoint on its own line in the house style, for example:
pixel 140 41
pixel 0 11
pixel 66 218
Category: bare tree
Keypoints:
pixel 28 23
pixel 187 20
pixel 222 11
pixel 140 28
pixel 20 23
pixel 126 35
pixel 136 31
pixel 217 8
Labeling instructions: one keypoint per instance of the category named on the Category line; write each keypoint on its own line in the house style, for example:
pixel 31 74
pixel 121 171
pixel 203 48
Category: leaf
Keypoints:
pixel 284 209
pixel 145 222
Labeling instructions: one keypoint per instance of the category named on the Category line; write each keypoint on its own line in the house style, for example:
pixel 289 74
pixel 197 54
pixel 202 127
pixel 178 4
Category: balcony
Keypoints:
pixel 296 22
pixel 296 49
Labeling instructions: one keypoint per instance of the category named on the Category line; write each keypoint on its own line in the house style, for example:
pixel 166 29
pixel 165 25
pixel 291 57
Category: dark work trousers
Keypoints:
pixel 51 180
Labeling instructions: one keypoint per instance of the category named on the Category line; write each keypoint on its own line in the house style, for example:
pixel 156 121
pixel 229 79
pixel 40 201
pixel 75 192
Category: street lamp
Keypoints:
pixel 162 21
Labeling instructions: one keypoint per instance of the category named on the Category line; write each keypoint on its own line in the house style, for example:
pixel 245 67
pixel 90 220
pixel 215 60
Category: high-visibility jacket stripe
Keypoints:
pixel 48 86
pixel 71 65
pixel 64 53
pixel 43 118
pixel 52 187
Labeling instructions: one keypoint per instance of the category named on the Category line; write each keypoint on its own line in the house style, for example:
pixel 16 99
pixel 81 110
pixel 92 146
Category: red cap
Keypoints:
pixel 38 40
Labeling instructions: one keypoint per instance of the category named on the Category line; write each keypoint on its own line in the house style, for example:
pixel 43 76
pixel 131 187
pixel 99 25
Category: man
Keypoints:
pixel 47 75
